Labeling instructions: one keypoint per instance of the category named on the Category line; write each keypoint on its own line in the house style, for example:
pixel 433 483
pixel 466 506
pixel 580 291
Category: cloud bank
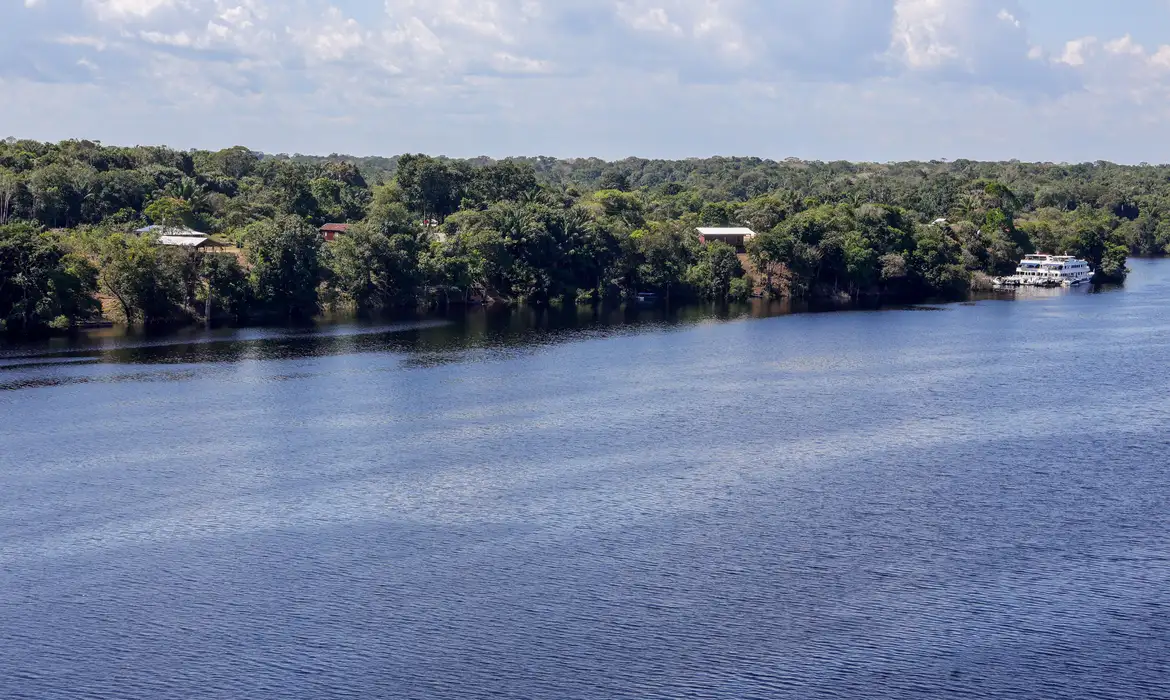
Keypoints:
pixel 860 79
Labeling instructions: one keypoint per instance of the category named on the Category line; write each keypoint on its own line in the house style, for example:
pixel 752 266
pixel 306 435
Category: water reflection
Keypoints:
pixel 421 340
pixel 454 331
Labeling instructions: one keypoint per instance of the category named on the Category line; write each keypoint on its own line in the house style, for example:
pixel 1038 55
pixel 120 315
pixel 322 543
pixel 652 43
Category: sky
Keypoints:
pixel 866 80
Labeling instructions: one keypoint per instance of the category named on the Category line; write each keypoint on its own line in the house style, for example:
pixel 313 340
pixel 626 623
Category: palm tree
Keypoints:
pixel 966 206
pixel 189 190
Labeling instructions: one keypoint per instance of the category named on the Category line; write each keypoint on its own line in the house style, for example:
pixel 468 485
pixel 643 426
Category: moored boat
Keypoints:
pixel 1048 271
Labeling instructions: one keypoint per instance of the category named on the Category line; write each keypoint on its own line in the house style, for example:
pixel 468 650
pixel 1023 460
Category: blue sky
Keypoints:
pixel 1058 80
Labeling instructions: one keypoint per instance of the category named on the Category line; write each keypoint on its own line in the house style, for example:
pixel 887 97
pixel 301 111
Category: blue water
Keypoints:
pixel 956 501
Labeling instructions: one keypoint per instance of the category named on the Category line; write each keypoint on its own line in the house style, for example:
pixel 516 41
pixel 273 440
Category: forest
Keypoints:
pixel 433 231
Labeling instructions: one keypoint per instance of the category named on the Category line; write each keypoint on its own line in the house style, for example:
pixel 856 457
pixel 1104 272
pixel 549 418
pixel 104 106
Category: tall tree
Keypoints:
pixel 41 283
pixel 285 255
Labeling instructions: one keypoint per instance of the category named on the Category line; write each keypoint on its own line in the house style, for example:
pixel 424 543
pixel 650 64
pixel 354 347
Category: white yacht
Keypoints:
pixel 1049 271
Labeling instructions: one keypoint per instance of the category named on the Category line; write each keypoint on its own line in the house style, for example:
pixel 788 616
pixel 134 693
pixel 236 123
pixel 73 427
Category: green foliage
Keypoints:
pixel 614 179
pixel 170 212
pixel 508 181
pixel 938 264
pixel 228 284
pixel 9 187
pixel 378 263
pixel 662 254
pixel 42 285
pixel 622 207
pixel 431 187
pixel 543 230
pixel 285 257
pixel 715 271
pixel 145 280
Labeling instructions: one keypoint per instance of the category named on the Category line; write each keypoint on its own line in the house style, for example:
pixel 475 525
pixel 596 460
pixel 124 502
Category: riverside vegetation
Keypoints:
pixel 434 231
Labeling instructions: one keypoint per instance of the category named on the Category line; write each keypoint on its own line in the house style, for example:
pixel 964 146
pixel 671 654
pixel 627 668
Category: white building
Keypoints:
pixel 736 237
pixel 171 231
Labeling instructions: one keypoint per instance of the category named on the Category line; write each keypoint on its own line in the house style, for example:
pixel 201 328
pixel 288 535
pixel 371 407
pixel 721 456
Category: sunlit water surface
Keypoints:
pixel 964 500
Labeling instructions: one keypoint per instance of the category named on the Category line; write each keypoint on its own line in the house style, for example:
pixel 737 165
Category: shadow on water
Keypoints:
pixel 428 336
pixel 421 340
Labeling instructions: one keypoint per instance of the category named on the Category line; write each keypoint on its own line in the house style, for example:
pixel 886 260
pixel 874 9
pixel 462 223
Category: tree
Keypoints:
pixel 170 213
pixel 773 253
pixel 285 255
pixel 767 212
pixel 1095 237
pixel 9 186
pixel 614 179
pixel 377 263
pixel 447 267
pixel 861 262
pixel 714 272
pixel 226 282
pixel 236 162
pixel 137 275
pixel 937 264
pixel 295 193
pixel 41 283
pixel 665 252
pixel 51 191
pixel 504 181
pixel 590 250
pixel 626 207
pixel 431 187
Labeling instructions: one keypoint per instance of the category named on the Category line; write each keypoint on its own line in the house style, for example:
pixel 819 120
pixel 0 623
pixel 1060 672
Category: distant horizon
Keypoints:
pixel 354 155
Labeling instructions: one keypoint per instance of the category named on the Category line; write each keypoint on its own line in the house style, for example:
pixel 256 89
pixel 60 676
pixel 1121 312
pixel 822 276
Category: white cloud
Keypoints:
pixel 649 19
pixel 1077 51
pixel 120 9
pixel 94 42
pixel 507 63
pixel 981 40
pixel 1124 45
pixel 334 38
pixel 176 39
pixel 1161 58
pixel 735 71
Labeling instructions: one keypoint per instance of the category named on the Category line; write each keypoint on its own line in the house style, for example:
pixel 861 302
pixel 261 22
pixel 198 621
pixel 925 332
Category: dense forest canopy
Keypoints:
pixel 531 230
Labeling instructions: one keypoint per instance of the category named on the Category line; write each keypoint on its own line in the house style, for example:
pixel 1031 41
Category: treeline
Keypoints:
pixel 540 231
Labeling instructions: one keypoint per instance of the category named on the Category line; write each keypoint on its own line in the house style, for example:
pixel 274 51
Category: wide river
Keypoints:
pixel 970 500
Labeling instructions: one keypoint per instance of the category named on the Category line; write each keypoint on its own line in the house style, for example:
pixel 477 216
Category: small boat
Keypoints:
pixel 646 298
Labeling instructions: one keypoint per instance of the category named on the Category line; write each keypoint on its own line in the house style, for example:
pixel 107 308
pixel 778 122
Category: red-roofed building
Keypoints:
pixel 329 231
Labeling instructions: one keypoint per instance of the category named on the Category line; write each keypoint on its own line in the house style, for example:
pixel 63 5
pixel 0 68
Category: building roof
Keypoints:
pixel 170 230
pixel 730 231
pixel 336 228
pixel 184 241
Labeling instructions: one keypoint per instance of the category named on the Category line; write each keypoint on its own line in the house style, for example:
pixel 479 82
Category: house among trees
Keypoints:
pixel 171 231
pixel 191 242
pixel 329 231
pixel 182 237
pixel 736 237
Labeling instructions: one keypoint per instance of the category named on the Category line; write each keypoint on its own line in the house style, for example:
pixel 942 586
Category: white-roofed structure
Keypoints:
pixel 161 230
pixel 185 241
pixel 182 237
pixel 736 236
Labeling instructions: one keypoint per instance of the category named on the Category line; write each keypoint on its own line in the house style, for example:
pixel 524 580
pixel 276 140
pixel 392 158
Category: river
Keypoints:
pixel 968 500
